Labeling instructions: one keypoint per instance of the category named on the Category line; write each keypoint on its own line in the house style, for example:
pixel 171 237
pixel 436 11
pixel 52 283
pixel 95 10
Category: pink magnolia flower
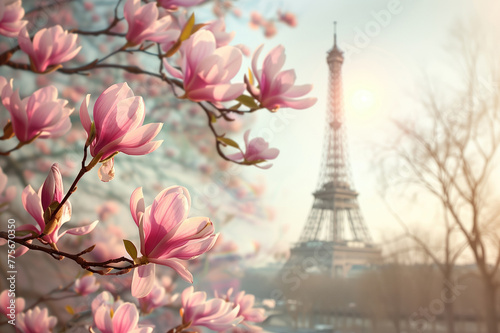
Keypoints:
pixel 167 236
pixel 143 22
pixel 86 285
pixel 36 321
pixel 50 47
pixel 207 70
pixel 247 311
pixel 218 28
pixel 174 4
pixel 41 114
pixel 256 150
pixel 276 89
pixel 36 204
pixel 105 298
pixel 123 319
pixel 157 298
pixel 10 306
pixel 7 194
pixel 11 13
pixel 118 122
pixel 215 314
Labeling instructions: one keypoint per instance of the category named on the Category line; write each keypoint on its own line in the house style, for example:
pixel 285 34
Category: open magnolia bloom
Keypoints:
pixel 118 127
pixel 50 47
pixel 11 14
pixel 277 89
pixel 36 320
pixel 119 318
pixel 143 22
pixel 256 151
pixel 245 304
pixel 41 114
pixel 167 236
pixel 215 314
pixel 40 206
pixel 206 71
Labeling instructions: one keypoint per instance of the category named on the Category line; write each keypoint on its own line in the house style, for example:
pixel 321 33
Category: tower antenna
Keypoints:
pixel 334 33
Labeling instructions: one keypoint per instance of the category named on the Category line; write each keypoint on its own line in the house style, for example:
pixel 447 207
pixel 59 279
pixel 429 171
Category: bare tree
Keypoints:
pixel 450 151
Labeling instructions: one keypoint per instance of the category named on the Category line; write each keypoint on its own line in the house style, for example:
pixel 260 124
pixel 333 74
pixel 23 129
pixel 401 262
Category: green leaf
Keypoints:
pixel 235 107
pixel 130 247
pixel 188 29
pixel 228 142
pixel 247 101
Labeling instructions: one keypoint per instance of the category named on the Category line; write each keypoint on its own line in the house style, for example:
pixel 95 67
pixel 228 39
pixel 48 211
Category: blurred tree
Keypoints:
pixel 450 151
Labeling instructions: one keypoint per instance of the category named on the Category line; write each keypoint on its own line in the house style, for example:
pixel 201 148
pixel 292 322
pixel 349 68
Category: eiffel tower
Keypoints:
pixel 335 239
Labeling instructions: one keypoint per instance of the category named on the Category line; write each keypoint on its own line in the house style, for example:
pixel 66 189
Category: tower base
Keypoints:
pixel 336 259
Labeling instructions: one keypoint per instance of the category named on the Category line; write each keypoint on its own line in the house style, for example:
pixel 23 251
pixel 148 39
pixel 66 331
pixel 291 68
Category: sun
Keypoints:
pixel 363 102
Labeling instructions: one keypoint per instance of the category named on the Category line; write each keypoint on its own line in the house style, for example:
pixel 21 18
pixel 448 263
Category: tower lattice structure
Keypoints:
pixel 335 237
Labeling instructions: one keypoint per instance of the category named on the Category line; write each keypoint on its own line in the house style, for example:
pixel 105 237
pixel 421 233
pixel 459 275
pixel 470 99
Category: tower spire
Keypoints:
pixel 334 34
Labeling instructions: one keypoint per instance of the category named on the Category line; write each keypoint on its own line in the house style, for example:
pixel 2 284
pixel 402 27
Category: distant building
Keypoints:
pixel 335 239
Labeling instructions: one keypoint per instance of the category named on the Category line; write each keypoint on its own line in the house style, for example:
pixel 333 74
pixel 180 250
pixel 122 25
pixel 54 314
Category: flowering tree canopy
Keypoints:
pixel 150 60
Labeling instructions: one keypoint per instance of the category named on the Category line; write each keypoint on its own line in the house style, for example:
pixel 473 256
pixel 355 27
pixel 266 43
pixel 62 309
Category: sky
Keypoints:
pixel 390 46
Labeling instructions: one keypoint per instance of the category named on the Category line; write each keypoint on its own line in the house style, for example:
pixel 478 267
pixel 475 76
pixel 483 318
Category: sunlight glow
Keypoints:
pixel 363 102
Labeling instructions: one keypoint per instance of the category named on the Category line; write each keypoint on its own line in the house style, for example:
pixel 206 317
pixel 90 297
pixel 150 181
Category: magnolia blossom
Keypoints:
pixel 11 13
pixel 276 89
pixel 247 311
pixel 86 285
pixel 256 150
pixel 167 236
pixel 207 70
pixel 36 321
pixel 174 4
pixel 42 114
pixel 105 298
pixel 7 307
pixel 50 47
pixel 215 314
pixel 7 194
pixel 143 22
pixel 118 123
pixel 157 298
pixel 37 203
pixel 218 28
pixel 122 319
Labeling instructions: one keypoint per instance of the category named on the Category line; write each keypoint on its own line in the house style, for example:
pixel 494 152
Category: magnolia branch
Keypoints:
pixel 107 266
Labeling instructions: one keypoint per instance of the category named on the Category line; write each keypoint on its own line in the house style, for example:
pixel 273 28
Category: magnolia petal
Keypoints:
pixel 33 205
pixel 102 318
pixel 107 171
pixel 143 280
pixel 171 70
pixel 300 104
pixel 83 230
pixel 177 266
pixel 84 114
pixel 125 318
pixel 137 206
